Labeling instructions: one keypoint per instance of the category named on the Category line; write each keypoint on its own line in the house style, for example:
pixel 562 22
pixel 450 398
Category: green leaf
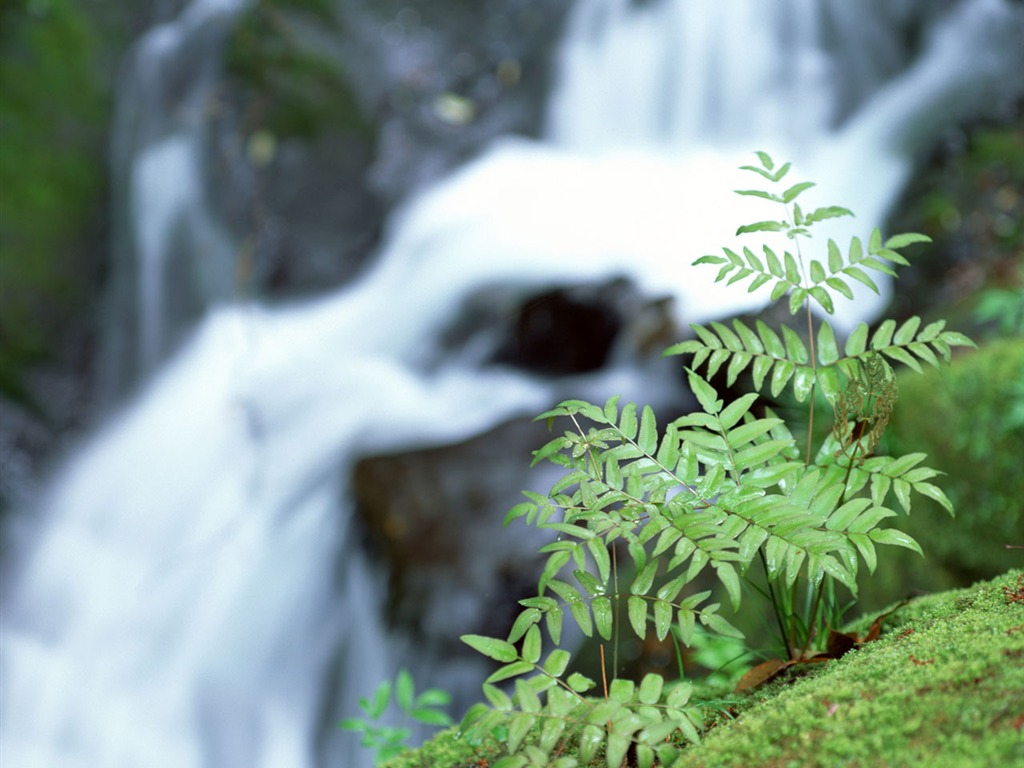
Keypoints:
pixel 405 691
pixel 902 490
pixel 352 724
pixel 875 242
pixel 796 351
pixel 924 352
pixel 739 361
pixel 521 724
pixel 603 616
pixel 581 614
pixel 705 393
pixel 551 732
pixel 590 741
pixel 648 431
pixel 499 650
pixel 856 343
pixel 783 371
pixel 637 610
pixel 622 690
pixel 883 336
pixel 817 271
pixel 861 277
pixel 931 331
pixel 752 260
pixel 766 160
pixel 381 699
pixel 553 621
pixel 835 256
pixel 866 549
pixel 730 580
pixel 532 645
pixel 839 286
pixel 749 339
pixel 599 551
pixel 580 683
pixel 901 355
pixel 792 270
pixel 796 300
pixel 650 688
pixel 523 622
pixel 686 623
pixel 956 339
pixel 716 623
pixel 896 538
pixel 433 697
pixel 615 750
pixel 497 697
pixel 736 409
pixel 829 212
pixel 611 409
pixel 644 579
pixel 846 514
pixel 793 192
pixel 589 582
pixel 761 367
pixel 709 259
pixel 751 541
pixel 908 238
pixel 758 454
pixel 935 493
pixel 772 342
pixel 762 226
pixel 507 671
pixel 627 421
pixel 856 252
pixel 803 381
pixel 557 662
pixel 730 339
pixel 828 350
pixel 662 619
pixel 821 296
pixel 829 382
pixel 758 193
pixel 751 430
pixel 774 265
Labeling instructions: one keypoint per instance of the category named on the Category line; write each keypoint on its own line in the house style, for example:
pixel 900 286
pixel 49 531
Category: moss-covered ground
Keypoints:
pixel 943 685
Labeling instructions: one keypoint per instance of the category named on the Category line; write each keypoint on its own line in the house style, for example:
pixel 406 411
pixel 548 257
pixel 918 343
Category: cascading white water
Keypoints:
pixel 195 575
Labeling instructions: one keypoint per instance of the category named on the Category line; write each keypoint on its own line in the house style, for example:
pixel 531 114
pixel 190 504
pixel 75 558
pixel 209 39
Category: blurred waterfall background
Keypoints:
pixel 353 247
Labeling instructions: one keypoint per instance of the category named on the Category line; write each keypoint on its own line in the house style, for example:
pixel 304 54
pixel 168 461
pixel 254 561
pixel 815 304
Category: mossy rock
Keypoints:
pixel 969 419
pixel 941 686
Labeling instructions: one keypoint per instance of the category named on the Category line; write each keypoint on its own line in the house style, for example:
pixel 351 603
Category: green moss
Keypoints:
pixel 445 750
pixel 943 682
pixel 53 116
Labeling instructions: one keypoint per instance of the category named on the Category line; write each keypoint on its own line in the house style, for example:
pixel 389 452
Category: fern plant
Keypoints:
pixel 720 491
pixel 388 740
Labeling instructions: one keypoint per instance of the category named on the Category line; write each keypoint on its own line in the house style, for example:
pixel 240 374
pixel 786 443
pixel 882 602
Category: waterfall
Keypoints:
pixel 196 594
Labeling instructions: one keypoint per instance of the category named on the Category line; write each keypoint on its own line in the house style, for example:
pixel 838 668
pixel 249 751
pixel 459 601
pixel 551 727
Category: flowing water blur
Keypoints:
pixel 195 593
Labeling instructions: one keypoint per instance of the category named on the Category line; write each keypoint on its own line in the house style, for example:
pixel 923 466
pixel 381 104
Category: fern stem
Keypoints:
pixel 615 625
pixel 813 617
pixel 604 671
pixel 814 384
pixel 775 605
